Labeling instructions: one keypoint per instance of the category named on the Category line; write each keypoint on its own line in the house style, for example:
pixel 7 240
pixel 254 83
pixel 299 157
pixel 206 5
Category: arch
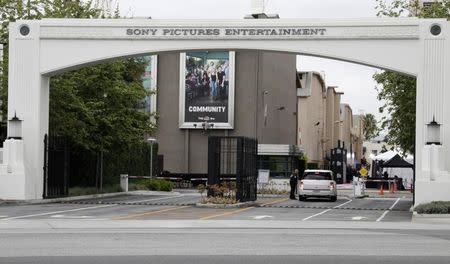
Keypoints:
pixel 376 56
pixel 49 46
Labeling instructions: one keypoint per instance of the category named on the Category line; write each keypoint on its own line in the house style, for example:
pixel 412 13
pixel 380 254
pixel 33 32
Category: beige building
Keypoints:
pixel 358 136
pixel 264 108
pixel 323 122
pixel 311 111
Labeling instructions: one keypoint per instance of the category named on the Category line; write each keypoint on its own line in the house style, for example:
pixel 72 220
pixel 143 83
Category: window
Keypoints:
pixel 279 166
pixel 318 176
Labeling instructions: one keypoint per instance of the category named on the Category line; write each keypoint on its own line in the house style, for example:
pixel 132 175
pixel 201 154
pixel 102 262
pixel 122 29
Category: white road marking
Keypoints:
pixel 72 216
pixel 156 199
pixel 343 204
pixel 86 208
pixel 259 217
pixel 309 217
pixel 392 207
pixel 387 211
pixel 59 212
pixel 78 217
pixel 323 212
pixel 382 216
pixel 3 216
pixel 358 218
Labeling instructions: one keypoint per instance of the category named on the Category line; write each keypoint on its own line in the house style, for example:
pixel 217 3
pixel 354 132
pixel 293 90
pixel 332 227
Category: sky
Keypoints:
pixel 354 80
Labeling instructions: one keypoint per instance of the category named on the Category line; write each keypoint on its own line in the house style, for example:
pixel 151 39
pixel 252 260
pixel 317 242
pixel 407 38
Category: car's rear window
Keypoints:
pixel 317 176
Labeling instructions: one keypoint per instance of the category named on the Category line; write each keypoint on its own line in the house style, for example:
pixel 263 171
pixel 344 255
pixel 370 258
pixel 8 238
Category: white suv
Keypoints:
pixel 317 183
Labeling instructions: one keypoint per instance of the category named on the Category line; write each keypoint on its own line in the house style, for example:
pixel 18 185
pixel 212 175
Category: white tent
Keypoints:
pixel 390 154
pixel 405 173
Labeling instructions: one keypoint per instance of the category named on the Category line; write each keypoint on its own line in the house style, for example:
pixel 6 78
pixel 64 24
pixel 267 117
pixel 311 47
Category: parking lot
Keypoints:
pixel 182 206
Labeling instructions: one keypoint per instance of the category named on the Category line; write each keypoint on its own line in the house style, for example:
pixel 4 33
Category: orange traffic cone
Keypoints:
pixel 381 189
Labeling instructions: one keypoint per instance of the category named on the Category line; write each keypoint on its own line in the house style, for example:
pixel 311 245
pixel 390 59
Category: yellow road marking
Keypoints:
pixel 128 217
pixel 276 201
pixel 242 209
pixel 227 213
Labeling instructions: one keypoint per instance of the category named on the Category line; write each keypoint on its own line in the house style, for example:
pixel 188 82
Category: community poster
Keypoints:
pixel 207 90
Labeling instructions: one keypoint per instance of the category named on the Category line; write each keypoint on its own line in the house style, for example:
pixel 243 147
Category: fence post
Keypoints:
pixel 124 182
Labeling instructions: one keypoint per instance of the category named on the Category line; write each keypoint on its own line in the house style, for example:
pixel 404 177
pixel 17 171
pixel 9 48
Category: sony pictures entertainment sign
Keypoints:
pixel 225 32
pixel 207 89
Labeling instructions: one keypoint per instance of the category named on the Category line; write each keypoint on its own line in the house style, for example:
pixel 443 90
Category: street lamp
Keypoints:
pixel 151 141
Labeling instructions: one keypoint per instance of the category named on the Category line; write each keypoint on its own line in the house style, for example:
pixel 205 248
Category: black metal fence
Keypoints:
pixel 234 158
pixel 56 166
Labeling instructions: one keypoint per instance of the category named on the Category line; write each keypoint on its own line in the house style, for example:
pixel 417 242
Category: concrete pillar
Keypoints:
pixel 28 98
pixel 433 97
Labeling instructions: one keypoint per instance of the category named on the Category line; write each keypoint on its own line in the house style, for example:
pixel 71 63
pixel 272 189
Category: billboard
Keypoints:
pixel 207 90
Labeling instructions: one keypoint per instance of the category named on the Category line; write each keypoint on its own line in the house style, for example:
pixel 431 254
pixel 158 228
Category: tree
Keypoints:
pixel 96 107
pixel 399 91
pixel 370 126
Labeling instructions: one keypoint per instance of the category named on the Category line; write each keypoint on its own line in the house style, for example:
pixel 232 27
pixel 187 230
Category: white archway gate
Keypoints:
pixel 41 48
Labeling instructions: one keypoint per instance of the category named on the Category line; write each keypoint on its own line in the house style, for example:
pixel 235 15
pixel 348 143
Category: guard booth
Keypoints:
pixel 234 158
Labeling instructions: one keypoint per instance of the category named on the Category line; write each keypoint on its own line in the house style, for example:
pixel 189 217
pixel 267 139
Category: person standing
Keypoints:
pixel 212 72
pixel 293 181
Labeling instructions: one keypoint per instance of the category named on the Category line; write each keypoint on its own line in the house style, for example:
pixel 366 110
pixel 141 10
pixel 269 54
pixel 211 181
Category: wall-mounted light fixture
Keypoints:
pixel 15 128
pixel 433 133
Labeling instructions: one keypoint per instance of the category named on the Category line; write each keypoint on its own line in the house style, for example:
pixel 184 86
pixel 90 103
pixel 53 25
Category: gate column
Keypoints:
pixel 28 98
pixel 433 103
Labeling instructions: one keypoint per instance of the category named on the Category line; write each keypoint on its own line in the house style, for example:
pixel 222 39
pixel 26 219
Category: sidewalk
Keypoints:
pixel 141 225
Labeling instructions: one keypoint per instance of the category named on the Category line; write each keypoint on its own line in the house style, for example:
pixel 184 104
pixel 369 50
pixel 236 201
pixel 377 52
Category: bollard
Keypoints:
pixel 124 182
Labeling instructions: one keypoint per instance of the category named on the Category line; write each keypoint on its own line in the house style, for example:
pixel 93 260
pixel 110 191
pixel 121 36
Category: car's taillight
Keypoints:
pixel 301 185
pixel 332 186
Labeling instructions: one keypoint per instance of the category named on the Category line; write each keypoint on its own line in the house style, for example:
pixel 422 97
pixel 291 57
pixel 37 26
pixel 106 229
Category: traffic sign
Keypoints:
pixel 363 171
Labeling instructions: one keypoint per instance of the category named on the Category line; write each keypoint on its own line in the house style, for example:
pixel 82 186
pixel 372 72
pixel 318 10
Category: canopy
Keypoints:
pixel 396 162
pixel 386 156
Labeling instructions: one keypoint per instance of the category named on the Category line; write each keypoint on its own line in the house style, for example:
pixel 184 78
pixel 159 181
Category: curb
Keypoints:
pixel 273 195
pixel 430 218
pixel 225 206
pixel 90 196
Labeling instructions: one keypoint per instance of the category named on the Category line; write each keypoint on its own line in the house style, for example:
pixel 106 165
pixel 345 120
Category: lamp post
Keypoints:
pixel 433 133
pixel 152 141
pixel 15 128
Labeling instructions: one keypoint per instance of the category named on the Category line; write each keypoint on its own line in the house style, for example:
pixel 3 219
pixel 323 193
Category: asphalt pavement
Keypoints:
pixel 226 260
pixel 182 206
pixel 218 245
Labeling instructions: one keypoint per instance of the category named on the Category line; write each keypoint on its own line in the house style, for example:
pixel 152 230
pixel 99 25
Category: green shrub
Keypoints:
pixel 158 185
pixel 137 187
pixel 79 191
pixel 438 207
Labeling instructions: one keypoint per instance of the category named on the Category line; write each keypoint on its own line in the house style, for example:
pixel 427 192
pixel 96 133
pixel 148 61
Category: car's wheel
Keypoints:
pixel 333 198
pixel 301 198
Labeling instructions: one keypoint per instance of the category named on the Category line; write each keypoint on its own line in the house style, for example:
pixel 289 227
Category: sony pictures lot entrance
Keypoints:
pixel 39 49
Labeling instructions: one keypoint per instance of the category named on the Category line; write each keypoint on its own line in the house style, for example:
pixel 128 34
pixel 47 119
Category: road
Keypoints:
pixel 204 245
pixel 154 207
pixel 170 229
